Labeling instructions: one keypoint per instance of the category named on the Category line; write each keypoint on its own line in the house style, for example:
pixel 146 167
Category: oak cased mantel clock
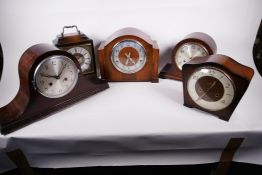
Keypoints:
pixel 129 55
pixel 50 80
pixel 195 44
pixel 215 84
pixel 79 45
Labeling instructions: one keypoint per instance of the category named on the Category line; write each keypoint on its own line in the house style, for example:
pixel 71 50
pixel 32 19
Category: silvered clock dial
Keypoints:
pixel 55 76
pixel 128 56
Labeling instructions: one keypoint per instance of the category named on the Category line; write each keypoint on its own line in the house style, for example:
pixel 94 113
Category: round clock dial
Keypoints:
pixel 211 88
pixel 83 57
pixel 188 51
pixel 55 76
pixel 128 56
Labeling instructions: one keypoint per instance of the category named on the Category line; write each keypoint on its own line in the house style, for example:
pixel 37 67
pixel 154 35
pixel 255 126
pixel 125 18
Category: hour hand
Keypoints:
pixel 128 58
pixel 48 76
pixel 128 55
pixel 212 85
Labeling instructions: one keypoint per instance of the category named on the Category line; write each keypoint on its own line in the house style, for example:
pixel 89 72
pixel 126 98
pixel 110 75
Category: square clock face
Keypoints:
pixel 84 55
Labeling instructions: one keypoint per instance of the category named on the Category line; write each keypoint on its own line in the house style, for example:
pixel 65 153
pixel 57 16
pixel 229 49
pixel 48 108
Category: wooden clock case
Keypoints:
pixel 150 70
pixel 239 74
pixel 66 41
pixel 257 50
pixel 171 70
pixel 29 105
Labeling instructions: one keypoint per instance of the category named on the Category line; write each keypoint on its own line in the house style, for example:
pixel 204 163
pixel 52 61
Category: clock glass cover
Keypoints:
pixel 211 88
pixel 188 51
pixel 128 56
pixel 55 76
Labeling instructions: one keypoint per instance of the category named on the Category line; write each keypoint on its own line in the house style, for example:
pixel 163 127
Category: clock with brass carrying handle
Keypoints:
pixel 195 44
pixel 79 45
pixel 50 80
pixel 129 55
pixel 215 84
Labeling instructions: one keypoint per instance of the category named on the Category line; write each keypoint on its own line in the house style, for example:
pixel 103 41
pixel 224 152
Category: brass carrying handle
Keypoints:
pixel 68 27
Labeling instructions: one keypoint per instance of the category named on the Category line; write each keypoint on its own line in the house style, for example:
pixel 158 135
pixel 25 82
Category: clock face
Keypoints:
pixel 211 88
pixel 128 56
pixel 188 51
pixel 55 76
pixel 83 57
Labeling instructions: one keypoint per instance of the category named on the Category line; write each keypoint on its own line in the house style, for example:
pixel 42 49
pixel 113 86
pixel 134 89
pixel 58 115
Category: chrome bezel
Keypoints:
pixel 189 43
pixel 219 70
pixel 128 71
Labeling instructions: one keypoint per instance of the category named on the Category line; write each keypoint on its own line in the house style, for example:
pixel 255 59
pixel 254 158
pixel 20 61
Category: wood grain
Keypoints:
pixel 239 74
pixel 29 105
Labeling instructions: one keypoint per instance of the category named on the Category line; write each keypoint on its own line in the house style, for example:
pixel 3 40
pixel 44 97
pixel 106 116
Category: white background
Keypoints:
pixel 233 25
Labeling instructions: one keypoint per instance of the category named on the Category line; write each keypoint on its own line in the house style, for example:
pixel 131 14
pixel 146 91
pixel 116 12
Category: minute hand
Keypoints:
pixel 200 97
pixel 61 71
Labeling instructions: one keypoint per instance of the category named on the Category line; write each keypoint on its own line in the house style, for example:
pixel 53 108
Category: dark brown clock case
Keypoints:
pixel 29 105
pixel 69 40
pixel 239 74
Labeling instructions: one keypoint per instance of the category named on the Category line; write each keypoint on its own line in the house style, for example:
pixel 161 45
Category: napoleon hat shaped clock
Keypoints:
pixel 129 55
pixel 195 44
pixel 50 79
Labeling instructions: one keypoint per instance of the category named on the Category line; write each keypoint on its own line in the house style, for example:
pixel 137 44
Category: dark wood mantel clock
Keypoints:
pixel 215 84
pixel 257 50
pixel 50 80
pixel 195 44
pixel 129 55
pixel 1 61
pixel 79 45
